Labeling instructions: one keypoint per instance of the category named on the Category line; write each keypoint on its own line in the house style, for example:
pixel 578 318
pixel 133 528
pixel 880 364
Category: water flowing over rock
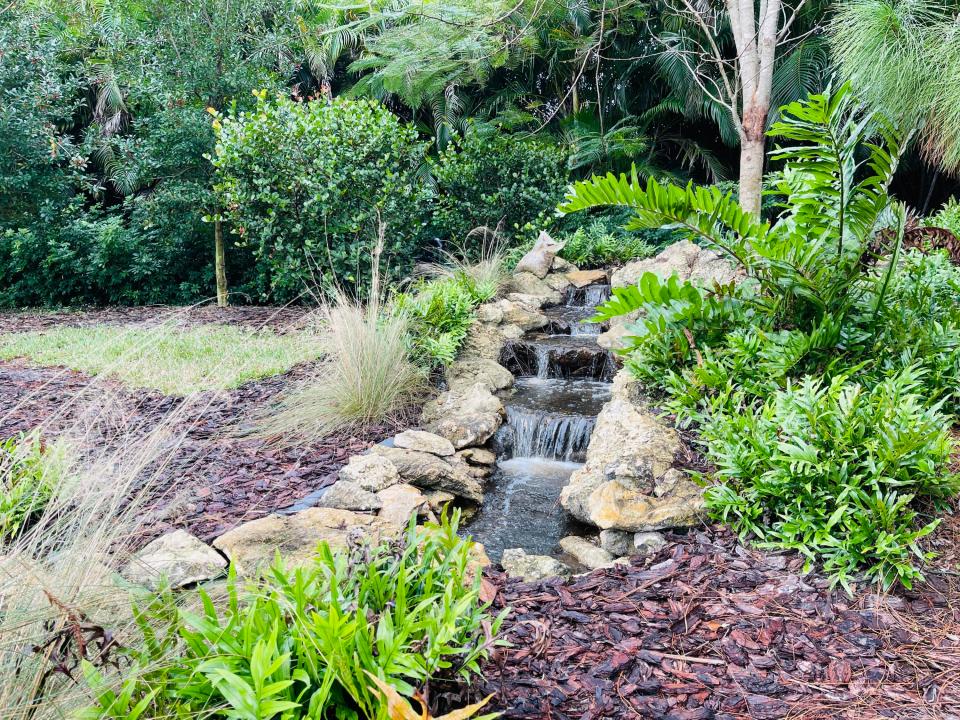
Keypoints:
pixel 517 563
pixel 557 356
pixel 251 547
pixel 178 557
pixel 627 482
pixel 539 259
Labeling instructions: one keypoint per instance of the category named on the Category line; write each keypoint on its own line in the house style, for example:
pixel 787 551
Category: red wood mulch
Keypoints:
pixel 707 628
pixel 207 479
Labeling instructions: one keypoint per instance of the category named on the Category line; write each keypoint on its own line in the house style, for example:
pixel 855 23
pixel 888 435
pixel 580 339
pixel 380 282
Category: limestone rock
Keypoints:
pixel 617 542
pixel 346 495
pixel 562 266
pixel 400 503
pixel 685 259
pixel 647 543
pixel 477 456
pixel 438 499
pixel 466 416
pixel 517 563
pixel 622 543
pixel 582 278
pixel 489 373
pixel 523 311
pixel 525 283
pixel 371 472
pixel 484 341
pixel 429 471
pixel 540 258
pixel 489 313
pixel 613 337
pixel 616 505
pixel 424 442
pixel 627 482
pixel 252 546
pixel 585 552
pixel 177 556
pixel 557 281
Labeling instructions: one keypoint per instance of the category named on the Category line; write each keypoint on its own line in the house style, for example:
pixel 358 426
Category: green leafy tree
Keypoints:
pixel 310 186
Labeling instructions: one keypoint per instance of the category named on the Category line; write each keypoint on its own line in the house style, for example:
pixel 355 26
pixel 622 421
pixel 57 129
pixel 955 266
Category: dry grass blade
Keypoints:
pixel 367 376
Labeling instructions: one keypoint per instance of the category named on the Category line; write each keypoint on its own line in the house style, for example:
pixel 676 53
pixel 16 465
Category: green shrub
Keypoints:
pixel 27 482
pixel 306 186
pixel 492 181
pixel 831 468
pixel 299 643
pixel 947 217
pixel 819 300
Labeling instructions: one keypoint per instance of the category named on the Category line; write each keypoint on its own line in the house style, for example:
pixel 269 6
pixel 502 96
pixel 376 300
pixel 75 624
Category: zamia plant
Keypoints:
pixel 303 643
pixel 827 467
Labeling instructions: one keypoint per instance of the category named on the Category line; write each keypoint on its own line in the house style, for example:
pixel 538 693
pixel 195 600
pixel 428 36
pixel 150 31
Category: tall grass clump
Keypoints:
pixel 366 376
pixel 483 273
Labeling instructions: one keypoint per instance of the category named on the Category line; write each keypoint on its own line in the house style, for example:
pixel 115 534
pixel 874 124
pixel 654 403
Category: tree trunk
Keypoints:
pixel 752 155
pixel 220 263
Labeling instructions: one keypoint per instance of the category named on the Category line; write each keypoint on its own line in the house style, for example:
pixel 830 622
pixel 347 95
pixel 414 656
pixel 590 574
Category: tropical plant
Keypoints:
pixel 440 313
pixel 817 302
pixel 302 642
pixel 831 469
pixel 27 482
pixel 598 244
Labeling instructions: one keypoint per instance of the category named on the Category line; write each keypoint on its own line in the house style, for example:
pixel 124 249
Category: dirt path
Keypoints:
pixel 709 629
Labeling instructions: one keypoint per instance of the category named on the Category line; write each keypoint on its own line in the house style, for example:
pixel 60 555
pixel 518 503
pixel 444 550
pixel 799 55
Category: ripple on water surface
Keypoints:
pixel 522 507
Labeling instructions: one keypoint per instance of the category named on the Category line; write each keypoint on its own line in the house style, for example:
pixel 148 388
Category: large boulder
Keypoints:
pixel 582 278
pixel 522 310
pixel 252 546
pixel 517 563
pixel 371 472
pixel 539 259
pixel 489 373
pixel 178 557
pixel 466 415
pixel 627 481
pixel 684 259
pixel 402 502
pixel 425 470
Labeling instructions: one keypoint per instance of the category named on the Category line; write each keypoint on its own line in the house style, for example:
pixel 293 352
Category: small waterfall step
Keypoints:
pixel 558 356
pixel 573 320
pixel 550 418
pixel 589 296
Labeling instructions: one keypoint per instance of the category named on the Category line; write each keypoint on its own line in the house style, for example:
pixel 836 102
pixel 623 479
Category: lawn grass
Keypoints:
pixel 174 360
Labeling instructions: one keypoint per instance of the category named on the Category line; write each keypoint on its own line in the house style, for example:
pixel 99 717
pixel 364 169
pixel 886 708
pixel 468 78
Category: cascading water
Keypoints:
pixel 562 383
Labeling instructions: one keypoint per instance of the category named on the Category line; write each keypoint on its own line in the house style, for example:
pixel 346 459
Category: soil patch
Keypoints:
pixel 707 628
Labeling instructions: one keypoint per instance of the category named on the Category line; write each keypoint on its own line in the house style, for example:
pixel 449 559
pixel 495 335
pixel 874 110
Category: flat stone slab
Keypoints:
pixel 582 278
pixel 423 441
pixel 177 556
pixel 253 545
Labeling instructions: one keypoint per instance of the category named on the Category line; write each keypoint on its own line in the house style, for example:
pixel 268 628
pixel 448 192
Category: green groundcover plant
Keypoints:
pixel 298 643
pixel 833 330
pixel 27 482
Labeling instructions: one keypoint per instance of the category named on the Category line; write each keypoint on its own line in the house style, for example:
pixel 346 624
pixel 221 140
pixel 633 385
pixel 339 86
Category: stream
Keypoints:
pixel 562 381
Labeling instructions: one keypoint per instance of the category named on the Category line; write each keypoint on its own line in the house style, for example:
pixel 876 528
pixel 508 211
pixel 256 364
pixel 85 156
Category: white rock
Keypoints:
pixel 400 503
pixel 346 495
pixel 585 552
pixel 517 563
pixel 177 556
pixel 539 259
pixel 371 472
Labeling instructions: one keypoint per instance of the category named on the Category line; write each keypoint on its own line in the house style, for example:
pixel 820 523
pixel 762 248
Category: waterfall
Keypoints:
pixel 535 433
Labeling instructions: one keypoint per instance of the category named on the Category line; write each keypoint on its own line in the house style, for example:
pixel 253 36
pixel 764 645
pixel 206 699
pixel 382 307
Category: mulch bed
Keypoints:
pixel 278 319
pixel 707 628
pixel 209 478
